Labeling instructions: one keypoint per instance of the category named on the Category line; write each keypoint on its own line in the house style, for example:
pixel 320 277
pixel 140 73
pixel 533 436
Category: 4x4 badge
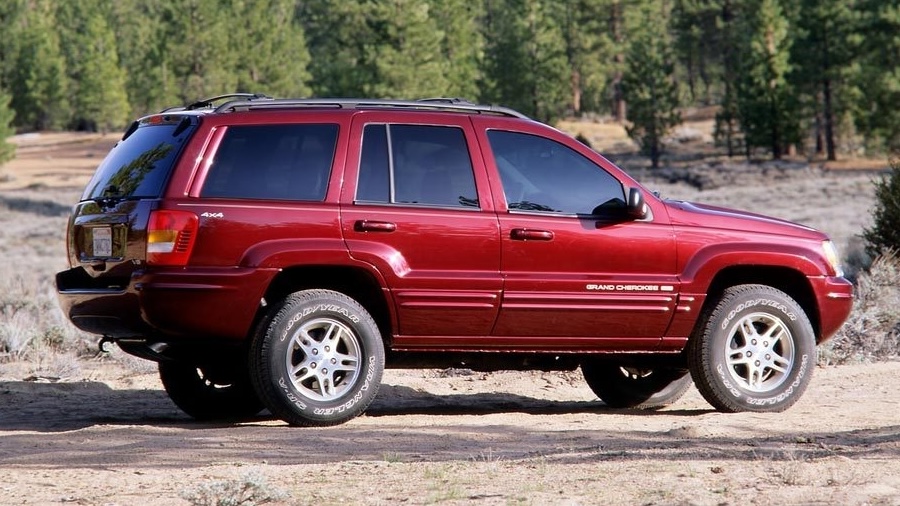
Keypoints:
pixel 212 215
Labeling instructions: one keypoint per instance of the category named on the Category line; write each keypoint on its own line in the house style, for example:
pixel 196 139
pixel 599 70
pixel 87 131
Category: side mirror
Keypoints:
pixel 636 207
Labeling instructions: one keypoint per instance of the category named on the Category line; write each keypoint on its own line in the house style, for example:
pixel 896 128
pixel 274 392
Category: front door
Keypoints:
pixel 578 273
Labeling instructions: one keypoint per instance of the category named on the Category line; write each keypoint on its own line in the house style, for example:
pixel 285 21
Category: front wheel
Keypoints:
pixel 631 387
pixel 318 359
pixel 754 351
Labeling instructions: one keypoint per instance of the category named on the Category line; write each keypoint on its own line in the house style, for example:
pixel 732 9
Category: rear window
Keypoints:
pixel 139 166
pixel 279 162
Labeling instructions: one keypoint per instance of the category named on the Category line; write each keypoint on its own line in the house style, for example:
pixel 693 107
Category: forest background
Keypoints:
pixel 819 78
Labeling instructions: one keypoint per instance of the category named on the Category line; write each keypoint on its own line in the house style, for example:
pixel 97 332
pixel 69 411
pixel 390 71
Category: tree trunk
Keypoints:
pixel 820 139
pixel 829 122
pixel 826 92
pixel 576 92
pixel 615 25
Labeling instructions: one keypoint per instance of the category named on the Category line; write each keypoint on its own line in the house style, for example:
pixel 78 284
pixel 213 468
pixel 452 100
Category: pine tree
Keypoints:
pixel 340 43
pixel 649 87
pixel 195 47
pixel 407 55
pixel 616 28
pixel 589 51
pixel 92 60
pixel 7 150
pixel 765 101
pixel 525 61
pixel 697 45
pixel 824 51
pixel 11 12
pixel 879 75
pixel 144 55
pixel 39 83
pixel 462 46
pixel 726 125
pixel 272 48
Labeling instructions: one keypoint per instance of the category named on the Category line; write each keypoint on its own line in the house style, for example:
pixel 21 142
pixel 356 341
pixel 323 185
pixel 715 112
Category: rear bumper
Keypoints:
pixel 834 297
pixel 165 303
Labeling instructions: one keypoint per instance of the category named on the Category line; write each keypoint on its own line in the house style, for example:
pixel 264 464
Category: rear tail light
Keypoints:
pixel 170 237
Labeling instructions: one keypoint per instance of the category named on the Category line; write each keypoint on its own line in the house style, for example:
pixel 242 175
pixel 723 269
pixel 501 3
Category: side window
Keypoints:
pixel 279 162
pixel 416 164
pixel 374 171
pixel 540 174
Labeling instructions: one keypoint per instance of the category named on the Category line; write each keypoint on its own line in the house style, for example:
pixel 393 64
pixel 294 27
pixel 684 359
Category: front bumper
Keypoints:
pixel 834 298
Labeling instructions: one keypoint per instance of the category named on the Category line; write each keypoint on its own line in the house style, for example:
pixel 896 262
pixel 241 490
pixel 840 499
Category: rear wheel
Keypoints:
pixel 631 387
pixel 755 351
pixel 209 393
pixel 318 359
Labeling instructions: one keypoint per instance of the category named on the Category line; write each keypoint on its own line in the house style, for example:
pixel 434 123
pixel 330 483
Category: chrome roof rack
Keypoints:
pixel 249 102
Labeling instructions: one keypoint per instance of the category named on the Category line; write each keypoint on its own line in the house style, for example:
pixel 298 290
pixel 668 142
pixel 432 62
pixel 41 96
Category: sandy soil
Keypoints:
pixel 432 437
pixel 55 159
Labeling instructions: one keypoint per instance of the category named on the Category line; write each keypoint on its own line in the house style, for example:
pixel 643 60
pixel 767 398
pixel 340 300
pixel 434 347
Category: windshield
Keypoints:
pixel 139 165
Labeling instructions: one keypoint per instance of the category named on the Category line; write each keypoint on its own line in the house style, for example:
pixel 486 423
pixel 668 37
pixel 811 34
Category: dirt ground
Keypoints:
pixel 108 435
pixel 449 437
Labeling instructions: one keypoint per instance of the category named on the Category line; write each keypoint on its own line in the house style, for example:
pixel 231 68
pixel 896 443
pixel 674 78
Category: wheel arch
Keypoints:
pixel 792 282
pixel 355 282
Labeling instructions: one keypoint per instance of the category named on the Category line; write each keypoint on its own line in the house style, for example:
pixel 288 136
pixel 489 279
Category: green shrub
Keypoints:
pixel 884 235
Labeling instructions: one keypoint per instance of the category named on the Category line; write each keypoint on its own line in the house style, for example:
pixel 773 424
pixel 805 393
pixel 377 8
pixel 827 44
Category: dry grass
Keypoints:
pixel 602 136
pixel 873 330
pixel 32 242
pixel 251 489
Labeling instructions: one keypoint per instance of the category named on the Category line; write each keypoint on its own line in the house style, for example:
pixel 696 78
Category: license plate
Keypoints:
pixel 102 237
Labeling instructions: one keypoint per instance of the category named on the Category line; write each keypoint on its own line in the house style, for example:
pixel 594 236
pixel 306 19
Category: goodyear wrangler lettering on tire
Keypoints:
pixel 720 370
pixel 321 307
pixel 751 351
pixel 283 384
pixel 787 393
pixel 318 359
pixel 362 391
pixel 762 302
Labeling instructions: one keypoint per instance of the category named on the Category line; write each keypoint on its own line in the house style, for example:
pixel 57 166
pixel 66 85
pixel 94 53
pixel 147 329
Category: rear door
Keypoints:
pixel 578 272
pixel 416 205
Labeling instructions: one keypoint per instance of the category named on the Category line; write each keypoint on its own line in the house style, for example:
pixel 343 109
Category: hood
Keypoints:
pixel 691 214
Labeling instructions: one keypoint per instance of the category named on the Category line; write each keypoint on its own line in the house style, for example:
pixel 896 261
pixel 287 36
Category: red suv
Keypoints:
pixel 280 254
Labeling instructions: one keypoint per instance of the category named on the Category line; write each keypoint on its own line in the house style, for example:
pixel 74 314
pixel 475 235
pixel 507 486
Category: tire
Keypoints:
pixel 754 351
pixel 293 349
pixel 209 394
pixel 627 387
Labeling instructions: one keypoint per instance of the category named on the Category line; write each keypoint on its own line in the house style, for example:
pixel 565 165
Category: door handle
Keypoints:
pixel 530 234
pixel 374 226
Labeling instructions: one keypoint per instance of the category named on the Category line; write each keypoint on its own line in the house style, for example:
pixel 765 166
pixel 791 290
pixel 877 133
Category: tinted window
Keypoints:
pixel 540 174
pixel 139 166
pixel 287 162
pixel 374 170
pixel 416 164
